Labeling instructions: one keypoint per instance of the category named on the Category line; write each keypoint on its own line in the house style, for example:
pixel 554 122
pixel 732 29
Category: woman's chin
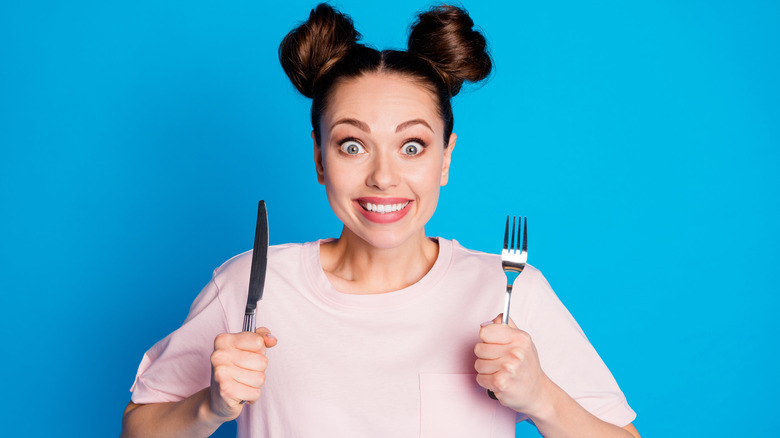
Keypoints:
pixel 386 239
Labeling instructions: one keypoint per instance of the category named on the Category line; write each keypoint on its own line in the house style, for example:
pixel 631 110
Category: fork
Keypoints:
pixel 513 260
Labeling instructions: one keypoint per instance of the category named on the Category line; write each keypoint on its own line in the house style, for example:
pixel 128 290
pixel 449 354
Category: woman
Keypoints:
pixel 379 330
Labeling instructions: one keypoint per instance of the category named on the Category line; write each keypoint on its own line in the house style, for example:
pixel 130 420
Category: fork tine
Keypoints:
pixel 512 242
pixel 506 234
pixel 519 226
pixel 525 235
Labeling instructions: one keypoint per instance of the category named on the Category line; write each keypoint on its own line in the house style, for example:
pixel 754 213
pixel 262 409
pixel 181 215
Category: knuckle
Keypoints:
pixel 224 392
pixel 221 339
pixel 523 337
pixel 255 395
pixel 517 353
pixel 251 340
pixel 220 373
pixel 501 383
pixel 217 357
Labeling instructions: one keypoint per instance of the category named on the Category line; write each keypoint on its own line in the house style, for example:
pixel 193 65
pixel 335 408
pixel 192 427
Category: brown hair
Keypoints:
pixel 444 50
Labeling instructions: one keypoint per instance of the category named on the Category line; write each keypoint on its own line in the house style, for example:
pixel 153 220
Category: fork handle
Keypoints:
pixel 505 316
pixel 504 320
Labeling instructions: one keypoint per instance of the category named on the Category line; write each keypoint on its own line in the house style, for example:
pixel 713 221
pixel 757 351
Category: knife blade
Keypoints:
pixel 257 272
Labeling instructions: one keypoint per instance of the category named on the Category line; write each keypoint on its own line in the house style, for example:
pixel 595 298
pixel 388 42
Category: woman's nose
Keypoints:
pixel 383 173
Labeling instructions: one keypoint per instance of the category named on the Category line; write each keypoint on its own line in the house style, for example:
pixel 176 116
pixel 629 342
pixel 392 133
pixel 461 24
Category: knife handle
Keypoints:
pixel 249 322
pixel 249 326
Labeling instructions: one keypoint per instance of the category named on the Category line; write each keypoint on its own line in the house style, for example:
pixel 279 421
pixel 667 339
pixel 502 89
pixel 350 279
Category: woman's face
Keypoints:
pixel 382 158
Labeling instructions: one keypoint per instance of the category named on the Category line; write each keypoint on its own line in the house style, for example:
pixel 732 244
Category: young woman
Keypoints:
pixel 380 332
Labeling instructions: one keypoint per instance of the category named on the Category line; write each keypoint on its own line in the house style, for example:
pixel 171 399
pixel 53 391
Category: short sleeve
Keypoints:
pixel 179 365
pixel 565 353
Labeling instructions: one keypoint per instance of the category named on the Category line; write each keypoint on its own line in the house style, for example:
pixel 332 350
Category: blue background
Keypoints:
pixel 641 139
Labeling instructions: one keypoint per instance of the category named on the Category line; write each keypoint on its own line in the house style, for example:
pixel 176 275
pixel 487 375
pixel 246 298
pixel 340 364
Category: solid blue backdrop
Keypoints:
pixel 641 140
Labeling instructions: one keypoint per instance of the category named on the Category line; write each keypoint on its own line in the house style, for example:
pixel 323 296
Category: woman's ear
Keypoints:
pixel 445 165
pixel 318 160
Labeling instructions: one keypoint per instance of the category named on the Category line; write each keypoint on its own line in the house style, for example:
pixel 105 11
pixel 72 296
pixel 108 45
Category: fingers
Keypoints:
pixel 238 366
pixel 248 360
pixel 500 318
pixel 246 341
pixel 503 351
pixel 493 332
pixel 509 362
pixel 233 385
pixel 238 376
pixel 487 381
pixel 269 339
pixel 489 351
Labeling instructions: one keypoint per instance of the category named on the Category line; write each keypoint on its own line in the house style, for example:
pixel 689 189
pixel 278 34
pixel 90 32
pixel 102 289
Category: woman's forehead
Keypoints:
pixel 382 97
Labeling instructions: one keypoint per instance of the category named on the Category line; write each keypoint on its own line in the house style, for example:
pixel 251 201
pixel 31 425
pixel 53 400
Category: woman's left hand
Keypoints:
pixel 508 365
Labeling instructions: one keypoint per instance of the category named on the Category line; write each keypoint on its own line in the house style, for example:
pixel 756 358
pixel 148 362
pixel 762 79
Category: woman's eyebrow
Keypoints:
pixel 364 127
pixel 354 122
pixel 409 123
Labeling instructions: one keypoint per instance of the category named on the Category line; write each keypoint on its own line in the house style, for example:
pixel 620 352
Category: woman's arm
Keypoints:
pixel 564 417
pixel 508 364
pixel 237 373
pixel 190 417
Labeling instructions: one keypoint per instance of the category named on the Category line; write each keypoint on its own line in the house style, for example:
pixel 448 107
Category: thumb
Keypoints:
pixel 269 339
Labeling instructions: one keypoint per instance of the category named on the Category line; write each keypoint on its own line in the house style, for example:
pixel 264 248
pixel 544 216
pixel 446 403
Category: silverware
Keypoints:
pixel 513 260
pixel 257 272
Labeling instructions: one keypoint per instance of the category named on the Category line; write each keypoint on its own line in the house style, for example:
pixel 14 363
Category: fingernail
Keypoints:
pixel 486 323
pixel 268 335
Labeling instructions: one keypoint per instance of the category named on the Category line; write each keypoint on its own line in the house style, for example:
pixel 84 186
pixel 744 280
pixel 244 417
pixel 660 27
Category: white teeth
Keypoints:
pixel 384 208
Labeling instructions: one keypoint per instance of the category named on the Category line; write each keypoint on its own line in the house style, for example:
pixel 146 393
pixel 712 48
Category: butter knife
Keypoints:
pixel 257 272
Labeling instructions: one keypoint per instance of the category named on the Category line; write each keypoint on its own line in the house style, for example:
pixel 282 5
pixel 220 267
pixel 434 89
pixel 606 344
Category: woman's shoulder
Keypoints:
pixel 476 261
pixel 281 257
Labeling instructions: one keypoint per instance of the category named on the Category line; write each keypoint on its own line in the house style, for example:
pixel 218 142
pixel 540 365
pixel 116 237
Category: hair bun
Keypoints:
pixel 311 49
pixel 445 36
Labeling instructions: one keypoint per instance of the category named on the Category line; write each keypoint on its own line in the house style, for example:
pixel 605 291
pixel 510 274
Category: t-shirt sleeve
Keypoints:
pixel 179 365
pixel 565 353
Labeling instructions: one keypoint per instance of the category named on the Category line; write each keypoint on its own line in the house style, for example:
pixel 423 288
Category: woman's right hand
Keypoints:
pixel 238 370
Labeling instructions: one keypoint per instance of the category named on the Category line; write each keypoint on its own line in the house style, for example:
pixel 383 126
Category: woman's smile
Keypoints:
pixel 383 210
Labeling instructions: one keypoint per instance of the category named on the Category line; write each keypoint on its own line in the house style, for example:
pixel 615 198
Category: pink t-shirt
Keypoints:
pixel 399 364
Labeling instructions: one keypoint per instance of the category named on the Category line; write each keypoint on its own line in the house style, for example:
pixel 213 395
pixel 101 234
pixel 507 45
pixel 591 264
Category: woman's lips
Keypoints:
pixel 383 210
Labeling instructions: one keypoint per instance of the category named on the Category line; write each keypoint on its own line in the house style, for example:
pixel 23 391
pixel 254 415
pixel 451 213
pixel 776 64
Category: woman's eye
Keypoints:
pixel 412 148
pixel 352 148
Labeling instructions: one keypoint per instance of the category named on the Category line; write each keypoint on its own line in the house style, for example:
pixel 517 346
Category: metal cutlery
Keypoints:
pixel 513 260
pixel 257 272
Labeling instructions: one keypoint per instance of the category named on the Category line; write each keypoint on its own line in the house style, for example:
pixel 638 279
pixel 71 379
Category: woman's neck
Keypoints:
pixel 353 266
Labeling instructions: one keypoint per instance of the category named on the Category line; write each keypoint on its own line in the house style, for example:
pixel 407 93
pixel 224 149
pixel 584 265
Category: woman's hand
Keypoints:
pixel 508 365
pixel 238 370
